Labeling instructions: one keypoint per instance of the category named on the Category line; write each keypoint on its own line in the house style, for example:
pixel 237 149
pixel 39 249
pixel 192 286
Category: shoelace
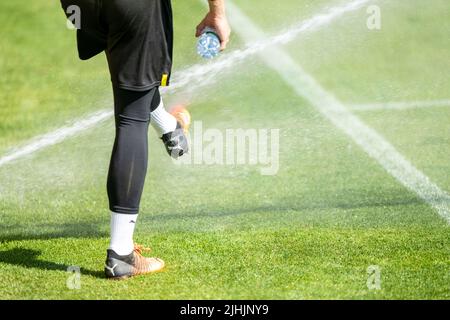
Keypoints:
pixel 141 263
pixel 140 248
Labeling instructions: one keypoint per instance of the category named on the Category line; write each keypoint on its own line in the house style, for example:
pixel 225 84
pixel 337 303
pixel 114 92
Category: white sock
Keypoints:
pixel 162 121
pixel 122 229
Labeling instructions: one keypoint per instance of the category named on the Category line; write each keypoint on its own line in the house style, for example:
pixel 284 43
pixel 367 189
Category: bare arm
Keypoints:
pixel 216 18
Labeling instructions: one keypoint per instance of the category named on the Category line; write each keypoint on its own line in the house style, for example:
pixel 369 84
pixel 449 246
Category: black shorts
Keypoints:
pixel 137 36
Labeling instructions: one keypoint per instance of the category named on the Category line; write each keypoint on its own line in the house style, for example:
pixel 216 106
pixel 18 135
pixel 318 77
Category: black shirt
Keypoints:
pixel 136 35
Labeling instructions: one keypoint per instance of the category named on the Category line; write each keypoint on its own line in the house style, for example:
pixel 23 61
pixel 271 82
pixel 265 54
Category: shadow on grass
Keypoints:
pixel 85 229
pixel 29 258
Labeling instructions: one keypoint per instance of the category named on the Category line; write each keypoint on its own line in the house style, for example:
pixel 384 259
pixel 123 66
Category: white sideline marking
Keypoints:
pixel 195 76
pixel 400 105
pixel 57 136
pixel 367 138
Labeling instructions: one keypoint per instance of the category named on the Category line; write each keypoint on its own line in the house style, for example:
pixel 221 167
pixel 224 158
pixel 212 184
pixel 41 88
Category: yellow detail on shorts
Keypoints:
pixel 164 80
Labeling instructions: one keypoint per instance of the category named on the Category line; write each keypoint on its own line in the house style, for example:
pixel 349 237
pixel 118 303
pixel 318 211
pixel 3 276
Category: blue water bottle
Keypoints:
pixel 208 45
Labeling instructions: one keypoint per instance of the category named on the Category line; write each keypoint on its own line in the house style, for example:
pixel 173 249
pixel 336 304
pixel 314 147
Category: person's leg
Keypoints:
pixel 126 179
pixel 162 121
pixel 171 128
pixel 128 166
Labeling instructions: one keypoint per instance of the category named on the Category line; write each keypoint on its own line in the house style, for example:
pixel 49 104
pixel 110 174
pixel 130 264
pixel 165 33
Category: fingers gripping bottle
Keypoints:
pixel 208 45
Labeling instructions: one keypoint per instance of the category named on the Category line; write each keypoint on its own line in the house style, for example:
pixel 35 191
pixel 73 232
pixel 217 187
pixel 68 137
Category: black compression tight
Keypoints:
pixel 128 165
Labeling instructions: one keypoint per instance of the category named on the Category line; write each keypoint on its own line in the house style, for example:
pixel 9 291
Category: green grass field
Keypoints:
pixel 227 232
